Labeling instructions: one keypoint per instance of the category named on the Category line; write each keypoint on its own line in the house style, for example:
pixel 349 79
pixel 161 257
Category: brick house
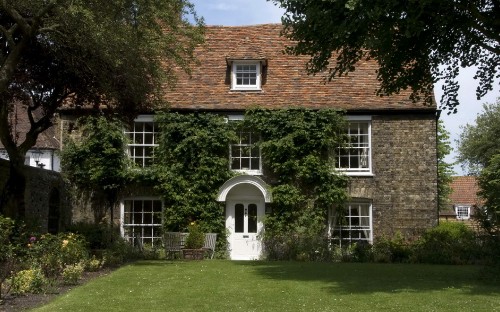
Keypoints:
pixel 393 173
pixel 463 200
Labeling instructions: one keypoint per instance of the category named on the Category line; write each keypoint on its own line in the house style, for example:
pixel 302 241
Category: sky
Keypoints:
pixel 251 12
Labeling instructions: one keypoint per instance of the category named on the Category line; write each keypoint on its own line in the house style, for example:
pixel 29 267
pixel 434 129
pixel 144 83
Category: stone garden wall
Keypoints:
pixel 45 197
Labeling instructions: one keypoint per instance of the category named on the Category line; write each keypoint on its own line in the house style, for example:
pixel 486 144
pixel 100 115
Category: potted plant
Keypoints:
pixel 193 248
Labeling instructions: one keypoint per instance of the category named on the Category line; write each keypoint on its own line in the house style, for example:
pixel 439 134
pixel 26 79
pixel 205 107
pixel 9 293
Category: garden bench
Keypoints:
pixel 174 242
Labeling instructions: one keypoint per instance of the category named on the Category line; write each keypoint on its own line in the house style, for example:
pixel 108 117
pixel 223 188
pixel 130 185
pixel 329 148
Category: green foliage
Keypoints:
pixel 410 40
pixel 118 252
pixel 93 264
pixel 191 163
pixel 112 53
pixel 72 273
pixel 52 252
pixel 391 249
pixel 445 170
pixel 195 238
pixel 97 165
pixel 28 281
pixel 489 183
pixel 479 142
pixel 448 243
pixel 479 150
pixel 98 236
pixel 298 146
pixel 6 230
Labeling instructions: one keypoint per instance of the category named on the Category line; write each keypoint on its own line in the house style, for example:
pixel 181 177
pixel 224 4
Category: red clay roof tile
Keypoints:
pixel 286 82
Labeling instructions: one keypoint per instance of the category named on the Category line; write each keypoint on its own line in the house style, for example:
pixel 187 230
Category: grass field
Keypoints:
pixel 217 285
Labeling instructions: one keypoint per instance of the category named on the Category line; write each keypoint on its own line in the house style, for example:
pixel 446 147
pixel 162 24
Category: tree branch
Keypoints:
pixel 25 27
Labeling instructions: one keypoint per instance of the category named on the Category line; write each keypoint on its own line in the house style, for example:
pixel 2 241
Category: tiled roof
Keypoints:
pixel 21 125
pixel 286 83
pixel 464 190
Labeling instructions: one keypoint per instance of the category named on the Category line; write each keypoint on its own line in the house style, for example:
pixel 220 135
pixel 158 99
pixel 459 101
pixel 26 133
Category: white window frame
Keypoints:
pixel 352 226
pixel 239 118
pixel 235 72
pixel 139 227
pixel 462 212
pixel 366 155
pixel 133 147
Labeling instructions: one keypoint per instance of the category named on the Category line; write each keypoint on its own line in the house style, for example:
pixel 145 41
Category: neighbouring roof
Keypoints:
pixel 18 118
pixel 464 190
pixel 285 81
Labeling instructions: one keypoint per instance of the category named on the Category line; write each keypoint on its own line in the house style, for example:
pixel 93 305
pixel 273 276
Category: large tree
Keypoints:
pixel 479 142
pixel 479 151
pixel 445 170
pixel 415 42
pixel 117 53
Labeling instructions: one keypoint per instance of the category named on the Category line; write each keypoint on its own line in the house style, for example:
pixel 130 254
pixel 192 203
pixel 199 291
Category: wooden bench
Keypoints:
pixel 174 242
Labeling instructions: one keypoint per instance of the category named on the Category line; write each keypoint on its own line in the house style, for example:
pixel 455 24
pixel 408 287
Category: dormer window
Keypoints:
pixel 246 75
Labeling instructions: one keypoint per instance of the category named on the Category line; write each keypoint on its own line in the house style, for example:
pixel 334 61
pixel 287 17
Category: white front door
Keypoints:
pixel 244 222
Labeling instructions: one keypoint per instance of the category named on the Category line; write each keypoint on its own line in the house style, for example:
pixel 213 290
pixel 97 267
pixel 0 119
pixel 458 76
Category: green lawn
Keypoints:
pixel 216 285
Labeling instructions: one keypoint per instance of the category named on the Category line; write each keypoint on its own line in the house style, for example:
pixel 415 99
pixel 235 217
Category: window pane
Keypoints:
pixel 138 221
pixel 142 136
pixel 255 164
pixel 157 218
pixel 148 218
pixel 355 155
pixel 245 163
pixel 148 151
pixel 357 227
pixel 255 152
pixel 235 164
pixel 147 231
pixel 239 215
pixel 148 138
pixel 243 154
pixel 252 218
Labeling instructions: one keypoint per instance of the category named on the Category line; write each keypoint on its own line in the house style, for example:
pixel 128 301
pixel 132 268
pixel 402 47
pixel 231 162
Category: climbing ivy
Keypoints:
pixel 191 163
pixel 298 148
pixel 95 163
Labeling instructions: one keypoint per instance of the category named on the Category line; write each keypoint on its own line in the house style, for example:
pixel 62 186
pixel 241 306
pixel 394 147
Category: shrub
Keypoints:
pixel 98 236
pixel 52 252
pixel 28 281
pixel 6 230
pixel 394 249
pixel 301 247
pixel 448 243
pixel 119 252
pixel 94 264
pixel 196 237
pixel 72 273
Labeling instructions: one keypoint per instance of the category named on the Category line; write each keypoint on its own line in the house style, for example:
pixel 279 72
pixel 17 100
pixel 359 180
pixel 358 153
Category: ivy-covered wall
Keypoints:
pixel 192 162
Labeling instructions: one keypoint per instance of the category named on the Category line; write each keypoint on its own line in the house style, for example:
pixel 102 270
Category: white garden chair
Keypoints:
pixel 209 246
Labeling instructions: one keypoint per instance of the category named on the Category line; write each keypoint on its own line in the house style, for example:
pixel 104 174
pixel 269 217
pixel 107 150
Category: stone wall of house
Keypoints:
pixel 403 188
pixel 45 190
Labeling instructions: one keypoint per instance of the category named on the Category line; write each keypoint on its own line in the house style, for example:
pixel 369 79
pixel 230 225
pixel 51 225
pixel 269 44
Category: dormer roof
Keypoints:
pixel 285 82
